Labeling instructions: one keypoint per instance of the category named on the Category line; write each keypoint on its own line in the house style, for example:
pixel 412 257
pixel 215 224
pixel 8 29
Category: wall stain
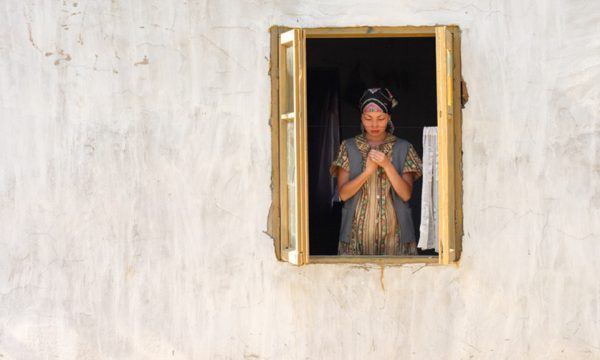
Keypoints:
pixel 63 56
pixel 31 37
pixel 144 61
pixel 419 268
pixel 223 51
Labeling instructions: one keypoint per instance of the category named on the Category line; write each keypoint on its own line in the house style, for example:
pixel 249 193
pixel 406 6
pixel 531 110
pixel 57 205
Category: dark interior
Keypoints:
pixel 338 72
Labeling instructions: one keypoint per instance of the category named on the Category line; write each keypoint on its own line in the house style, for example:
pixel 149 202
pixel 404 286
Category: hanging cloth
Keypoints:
pixel 429 199
pixel 329 143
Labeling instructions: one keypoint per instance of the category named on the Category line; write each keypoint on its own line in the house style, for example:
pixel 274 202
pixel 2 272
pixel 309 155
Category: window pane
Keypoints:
pixel 291 183
pixel 289 80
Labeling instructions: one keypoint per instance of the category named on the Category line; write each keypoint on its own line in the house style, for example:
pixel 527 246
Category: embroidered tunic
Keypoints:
pixel 375 230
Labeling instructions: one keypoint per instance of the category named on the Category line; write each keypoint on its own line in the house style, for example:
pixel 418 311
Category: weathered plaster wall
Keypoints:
pixel 134 189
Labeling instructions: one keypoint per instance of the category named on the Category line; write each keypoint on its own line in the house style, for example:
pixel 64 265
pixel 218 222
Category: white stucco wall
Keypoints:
pixel 134 189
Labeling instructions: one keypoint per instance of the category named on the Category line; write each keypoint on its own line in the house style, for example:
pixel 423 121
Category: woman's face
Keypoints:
pixel 375 122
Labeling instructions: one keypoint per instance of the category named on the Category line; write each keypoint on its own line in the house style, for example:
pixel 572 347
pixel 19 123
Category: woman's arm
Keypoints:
pixel 402 184
pixel 348 188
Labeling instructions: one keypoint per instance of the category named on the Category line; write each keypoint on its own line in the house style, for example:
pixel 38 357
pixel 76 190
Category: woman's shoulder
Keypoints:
pixel 399 140
pixel 403 142
pixel 349 140
pixel 353 138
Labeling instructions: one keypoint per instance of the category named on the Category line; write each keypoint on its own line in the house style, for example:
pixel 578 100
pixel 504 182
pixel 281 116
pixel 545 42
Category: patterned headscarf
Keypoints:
pixel 377 99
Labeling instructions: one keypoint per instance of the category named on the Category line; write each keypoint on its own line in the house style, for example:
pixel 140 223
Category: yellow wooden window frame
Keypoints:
pixel 448 84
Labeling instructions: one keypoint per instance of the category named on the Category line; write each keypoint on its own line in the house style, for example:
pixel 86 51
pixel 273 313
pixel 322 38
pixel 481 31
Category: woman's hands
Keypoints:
pixel 379 159
pixel 371 165
pixel 401 183
pixel 349 187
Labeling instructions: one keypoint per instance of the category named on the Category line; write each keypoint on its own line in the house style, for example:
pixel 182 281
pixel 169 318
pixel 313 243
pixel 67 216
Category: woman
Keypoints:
pixel 375 173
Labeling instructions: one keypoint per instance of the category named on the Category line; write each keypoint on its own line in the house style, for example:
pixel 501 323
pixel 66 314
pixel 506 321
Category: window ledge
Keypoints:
pixel 380 260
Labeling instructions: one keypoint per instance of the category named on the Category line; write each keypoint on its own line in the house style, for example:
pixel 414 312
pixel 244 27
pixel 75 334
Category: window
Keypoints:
pixel 289 216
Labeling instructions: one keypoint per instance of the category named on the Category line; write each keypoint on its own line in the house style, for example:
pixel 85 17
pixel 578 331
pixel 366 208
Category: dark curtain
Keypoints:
pixel 324 141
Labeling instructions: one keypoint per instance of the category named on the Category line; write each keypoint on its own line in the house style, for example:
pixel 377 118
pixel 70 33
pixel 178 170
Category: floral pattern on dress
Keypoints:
pixel 374 225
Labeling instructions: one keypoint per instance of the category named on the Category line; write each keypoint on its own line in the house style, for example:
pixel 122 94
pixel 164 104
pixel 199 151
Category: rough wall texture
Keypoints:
pixel 134 189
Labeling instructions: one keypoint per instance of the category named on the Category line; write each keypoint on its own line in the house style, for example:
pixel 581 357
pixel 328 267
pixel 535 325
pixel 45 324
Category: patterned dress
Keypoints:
pixel 375 230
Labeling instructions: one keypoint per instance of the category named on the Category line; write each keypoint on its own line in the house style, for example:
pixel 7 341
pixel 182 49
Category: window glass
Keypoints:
pixel 289 80
pixel 291 183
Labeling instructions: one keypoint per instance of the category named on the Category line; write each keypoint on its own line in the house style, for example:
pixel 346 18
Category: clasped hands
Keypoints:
pixel 376 159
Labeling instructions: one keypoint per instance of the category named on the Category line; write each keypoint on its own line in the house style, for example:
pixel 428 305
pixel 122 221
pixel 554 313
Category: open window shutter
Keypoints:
pixel 292 147
pixel 448 107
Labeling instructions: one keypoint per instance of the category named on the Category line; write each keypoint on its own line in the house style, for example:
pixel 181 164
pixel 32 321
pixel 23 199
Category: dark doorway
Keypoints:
pixel 338 71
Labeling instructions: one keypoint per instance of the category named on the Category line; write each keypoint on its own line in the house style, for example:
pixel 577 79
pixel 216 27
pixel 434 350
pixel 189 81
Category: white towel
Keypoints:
pixel 429 198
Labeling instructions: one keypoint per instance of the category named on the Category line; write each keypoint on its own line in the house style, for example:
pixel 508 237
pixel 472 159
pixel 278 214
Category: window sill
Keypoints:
pixel 380 260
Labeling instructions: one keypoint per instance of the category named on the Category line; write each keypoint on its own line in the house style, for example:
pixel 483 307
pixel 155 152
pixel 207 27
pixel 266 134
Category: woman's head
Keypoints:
pixel 375 107
pixel 375 123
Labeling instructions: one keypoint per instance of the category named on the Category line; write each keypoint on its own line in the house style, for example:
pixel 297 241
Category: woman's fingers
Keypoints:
pixel 376 155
